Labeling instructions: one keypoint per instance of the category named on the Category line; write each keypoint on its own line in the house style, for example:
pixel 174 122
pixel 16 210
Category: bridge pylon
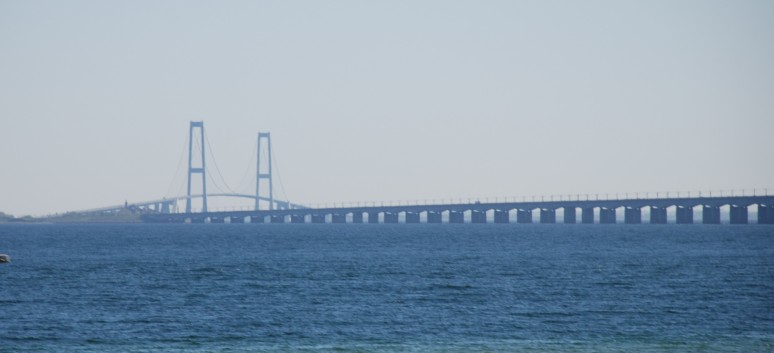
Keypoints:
pixel 196 170
pixel 263 176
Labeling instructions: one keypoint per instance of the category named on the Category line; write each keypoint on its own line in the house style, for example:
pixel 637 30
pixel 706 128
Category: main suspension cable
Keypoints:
pixel 279 176
pixel 177 169
pixel 215 162
pixel 241 186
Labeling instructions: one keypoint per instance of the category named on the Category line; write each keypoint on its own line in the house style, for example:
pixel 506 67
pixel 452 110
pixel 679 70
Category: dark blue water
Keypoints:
pixel 423 288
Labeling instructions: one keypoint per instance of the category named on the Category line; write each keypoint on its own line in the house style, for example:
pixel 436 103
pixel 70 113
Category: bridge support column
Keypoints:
pixel 236 219
pixel 477 217
pixel 632 215
pixel 456 217
pixel 296 218
pixel 547 216
pixel 318 218
pixel 434 217
pixel 501 216
pixel 390 217
pixel 569 215
pixel 587 216
pixel 523 216
pixel 277 219
pixel 607 215
pixel 266 175
pixel 373 217
pixel 357 217
pixel 684 215
pixel 710 214
pixel 738 214
pixel 339 218
pixel 196 170
pixel 658 215
pixel 412 217
pixel 765 214
pixel 257 219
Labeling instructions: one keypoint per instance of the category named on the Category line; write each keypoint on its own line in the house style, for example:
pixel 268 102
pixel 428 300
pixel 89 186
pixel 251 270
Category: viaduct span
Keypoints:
pixel 683 211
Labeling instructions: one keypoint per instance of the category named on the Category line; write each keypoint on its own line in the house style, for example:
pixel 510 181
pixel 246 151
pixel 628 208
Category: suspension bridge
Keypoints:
pixel 747 206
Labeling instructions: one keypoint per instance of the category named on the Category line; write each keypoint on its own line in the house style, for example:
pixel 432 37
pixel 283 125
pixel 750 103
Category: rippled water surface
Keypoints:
pixel 387 288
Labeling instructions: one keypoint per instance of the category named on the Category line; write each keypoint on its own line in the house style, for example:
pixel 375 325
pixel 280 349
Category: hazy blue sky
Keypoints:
pixel 385 100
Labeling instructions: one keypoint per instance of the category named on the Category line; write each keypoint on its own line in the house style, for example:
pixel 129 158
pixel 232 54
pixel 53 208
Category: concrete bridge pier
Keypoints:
pixel 587 216
pixel 166 207
pixel 524 216
pixel 738 214
pixel 391 217
pixel 373 217
pixel 607 215
pixel 547 216
pixel 570 216
pixel 456 217
pixel 297 219
pixel 658 215
pixel 501 216
pixel 478 217
pixel 632 215
pixel 684 215
pixel 236 219
pixel 318 218
pixel 339 218
pixel 412 217
pixel 765 214
pixel 357 217
pixel 710 214
pixel 434 217
pixel 175 220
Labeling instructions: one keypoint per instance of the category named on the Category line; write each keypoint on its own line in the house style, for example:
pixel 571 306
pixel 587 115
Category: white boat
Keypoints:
pixel 4 258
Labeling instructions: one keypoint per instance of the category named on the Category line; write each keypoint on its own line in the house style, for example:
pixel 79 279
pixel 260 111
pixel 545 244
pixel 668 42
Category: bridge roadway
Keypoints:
pixel 591 211
pixel 166 205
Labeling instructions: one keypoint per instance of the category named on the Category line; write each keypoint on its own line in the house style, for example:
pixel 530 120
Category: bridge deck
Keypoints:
pixel 605 211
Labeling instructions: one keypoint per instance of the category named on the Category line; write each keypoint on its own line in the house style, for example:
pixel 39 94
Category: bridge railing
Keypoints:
pixel 620 196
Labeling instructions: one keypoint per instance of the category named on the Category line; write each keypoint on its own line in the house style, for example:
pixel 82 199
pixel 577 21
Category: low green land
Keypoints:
pixel 123 216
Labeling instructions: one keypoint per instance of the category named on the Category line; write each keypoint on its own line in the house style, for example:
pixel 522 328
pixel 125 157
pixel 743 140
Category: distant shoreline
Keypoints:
pixel 121 217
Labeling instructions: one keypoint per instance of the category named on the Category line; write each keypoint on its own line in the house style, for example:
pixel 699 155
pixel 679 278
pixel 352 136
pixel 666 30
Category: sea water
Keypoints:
pixel 387 288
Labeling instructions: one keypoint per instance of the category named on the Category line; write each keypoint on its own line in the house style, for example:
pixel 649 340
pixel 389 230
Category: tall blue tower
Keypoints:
pixel 259 176
pixel 196 170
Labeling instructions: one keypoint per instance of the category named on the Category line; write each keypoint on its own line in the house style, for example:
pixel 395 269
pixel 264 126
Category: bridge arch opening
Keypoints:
pixel 535 212
pixel 559 215
pixel 489 216
pixel 512 215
